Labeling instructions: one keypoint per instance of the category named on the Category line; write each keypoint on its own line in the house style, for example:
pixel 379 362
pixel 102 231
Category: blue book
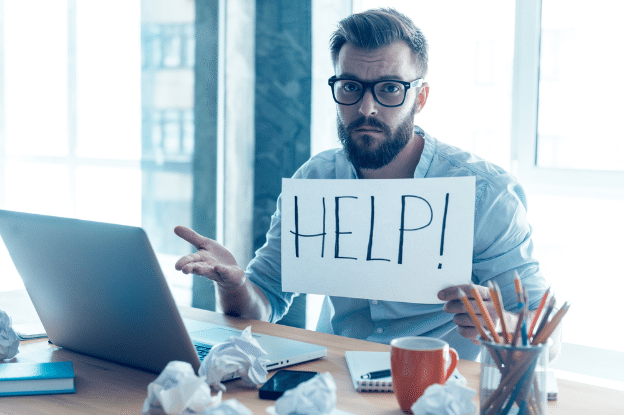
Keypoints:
pixel 36 378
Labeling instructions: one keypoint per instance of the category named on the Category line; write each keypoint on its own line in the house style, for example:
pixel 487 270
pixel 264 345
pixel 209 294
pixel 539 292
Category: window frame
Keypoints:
pixel 524 122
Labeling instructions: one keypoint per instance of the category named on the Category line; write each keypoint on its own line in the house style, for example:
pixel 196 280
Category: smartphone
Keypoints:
pixel 282 381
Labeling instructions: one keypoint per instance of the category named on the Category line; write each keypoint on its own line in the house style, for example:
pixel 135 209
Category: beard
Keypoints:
pixel 367 155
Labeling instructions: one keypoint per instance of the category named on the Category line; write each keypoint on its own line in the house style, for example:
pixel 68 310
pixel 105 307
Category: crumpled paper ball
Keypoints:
pixel 239 354
pixel 178 390
pixel 229 407
pixel 453 398
pixel 316 396
pixel 9 341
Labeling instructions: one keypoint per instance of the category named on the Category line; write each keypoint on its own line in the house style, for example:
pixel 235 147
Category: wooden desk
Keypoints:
pixel 107 388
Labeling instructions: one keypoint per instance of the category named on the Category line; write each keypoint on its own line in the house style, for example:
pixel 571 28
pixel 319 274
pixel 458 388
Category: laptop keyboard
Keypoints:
pixel 202 349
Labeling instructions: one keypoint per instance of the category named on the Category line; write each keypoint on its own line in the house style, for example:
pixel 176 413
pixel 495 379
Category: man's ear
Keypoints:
pixel 423 96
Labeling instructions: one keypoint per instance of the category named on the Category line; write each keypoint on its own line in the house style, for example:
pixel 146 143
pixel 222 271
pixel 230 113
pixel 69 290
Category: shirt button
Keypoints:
pixel 379 330
pixel 374 302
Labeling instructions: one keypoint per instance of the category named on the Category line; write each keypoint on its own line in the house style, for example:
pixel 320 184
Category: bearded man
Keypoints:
pixel 380 60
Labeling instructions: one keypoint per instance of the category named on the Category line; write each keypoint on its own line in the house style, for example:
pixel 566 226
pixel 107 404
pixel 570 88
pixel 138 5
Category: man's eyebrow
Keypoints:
pixel 381 78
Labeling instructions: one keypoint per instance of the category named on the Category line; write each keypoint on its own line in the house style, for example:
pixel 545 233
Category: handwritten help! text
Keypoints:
pixel 377 239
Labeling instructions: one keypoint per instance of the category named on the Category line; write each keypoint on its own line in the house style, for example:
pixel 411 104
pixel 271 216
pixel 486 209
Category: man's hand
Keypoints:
pixel 454 305
pixel 212 260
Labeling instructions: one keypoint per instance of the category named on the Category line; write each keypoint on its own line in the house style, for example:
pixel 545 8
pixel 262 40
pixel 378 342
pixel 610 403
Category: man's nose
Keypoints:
pixel 368 104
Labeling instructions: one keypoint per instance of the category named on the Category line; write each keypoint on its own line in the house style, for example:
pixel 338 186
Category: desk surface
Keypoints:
pixel 107 388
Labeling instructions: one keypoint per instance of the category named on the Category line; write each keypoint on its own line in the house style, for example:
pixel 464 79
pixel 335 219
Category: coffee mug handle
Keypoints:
pixel 452 365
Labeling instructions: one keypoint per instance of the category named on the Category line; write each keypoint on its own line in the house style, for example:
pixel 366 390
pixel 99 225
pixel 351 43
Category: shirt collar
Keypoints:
pixel 427 155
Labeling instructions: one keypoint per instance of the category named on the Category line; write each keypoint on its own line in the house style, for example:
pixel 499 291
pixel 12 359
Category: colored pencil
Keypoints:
pixel 472 314
pixel 517 330
pixel 552 325
pixel 504 326
pixel 525 312
pixel 518 288
pixel 540 308
pixel 545 317
pixel 485 314
pixel 498 308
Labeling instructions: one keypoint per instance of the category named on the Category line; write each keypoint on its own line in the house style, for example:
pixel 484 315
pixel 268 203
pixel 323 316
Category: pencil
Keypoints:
pixel 517 330
pixel 545 317
pixel 518 288
pixel 551 326
pixel 485 315
pixel 504 326
pixel 524 324
pixel 498 307
pixel 543 301
pixel 471 312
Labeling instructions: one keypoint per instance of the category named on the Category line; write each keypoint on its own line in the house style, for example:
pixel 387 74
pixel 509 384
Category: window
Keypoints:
pixel 97 100
pixel 581 86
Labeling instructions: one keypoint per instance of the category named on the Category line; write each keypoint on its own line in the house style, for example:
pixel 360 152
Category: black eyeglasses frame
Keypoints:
pixel 417 83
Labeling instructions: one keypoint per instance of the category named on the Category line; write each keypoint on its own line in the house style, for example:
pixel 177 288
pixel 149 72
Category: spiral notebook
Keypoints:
pixel 360 363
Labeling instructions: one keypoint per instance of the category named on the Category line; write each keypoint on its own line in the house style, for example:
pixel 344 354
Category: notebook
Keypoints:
pixel 27 331
pixel 361 363
pixel 99 290
pixel 36 378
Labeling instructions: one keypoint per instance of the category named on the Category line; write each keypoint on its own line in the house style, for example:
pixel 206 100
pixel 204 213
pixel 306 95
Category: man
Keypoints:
pixel 380 61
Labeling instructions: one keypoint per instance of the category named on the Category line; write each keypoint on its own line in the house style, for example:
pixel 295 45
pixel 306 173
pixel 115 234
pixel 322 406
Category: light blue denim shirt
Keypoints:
pixel 502 243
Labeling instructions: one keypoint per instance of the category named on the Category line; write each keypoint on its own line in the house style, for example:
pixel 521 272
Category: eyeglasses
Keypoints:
pixel 388 93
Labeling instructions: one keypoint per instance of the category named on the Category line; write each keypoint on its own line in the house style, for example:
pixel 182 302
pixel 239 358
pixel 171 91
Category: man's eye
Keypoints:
pixel 351 87
pixel 390 88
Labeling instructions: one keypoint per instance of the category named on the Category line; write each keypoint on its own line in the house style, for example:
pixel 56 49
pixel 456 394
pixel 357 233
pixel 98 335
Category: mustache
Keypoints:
pixel 368 122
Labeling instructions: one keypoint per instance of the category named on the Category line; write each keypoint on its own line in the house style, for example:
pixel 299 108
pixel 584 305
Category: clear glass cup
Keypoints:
pixel 513 379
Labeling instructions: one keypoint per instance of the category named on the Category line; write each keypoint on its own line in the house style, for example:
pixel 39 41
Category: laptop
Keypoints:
pixel 99 290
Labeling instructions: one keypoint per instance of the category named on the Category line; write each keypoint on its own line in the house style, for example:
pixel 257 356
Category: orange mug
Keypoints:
pixel 418 362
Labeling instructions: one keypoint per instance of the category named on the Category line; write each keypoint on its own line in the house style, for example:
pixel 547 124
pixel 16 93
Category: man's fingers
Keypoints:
pixel 190 236
pixel 199 268
pixel 189 259
pixel 468 332
pixel 453 307
pixel 457 306
pixel 465 320
pixel 451 293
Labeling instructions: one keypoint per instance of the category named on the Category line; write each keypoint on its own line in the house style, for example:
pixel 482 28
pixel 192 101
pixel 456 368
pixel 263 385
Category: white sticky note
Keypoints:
pixel 396 240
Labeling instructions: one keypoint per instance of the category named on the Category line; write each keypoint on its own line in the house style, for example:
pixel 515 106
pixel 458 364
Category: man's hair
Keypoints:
pixel 380 27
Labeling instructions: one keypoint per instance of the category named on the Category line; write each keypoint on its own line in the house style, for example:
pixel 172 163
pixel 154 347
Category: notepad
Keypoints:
pixel 360 363
pixel 36 378
pixel 27 331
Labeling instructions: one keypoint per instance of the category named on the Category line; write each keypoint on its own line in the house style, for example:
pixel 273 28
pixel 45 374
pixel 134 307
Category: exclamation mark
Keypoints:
pixel 440 265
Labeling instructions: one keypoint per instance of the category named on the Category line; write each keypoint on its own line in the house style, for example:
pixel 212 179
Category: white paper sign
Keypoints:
pixel 396 240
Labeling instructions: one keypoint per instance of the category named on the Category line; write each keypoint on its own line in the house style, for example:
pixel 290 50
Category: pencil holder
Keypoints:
pixel 513 379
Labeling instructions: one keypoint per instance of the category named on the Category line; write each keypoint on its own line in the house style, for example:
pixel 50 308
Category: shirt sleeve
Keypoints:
pixel 503 241
pixel 265 269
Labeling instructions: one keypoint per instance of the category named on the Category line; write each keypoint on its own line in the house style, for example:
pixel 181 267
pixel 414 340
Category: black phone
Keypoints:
pixel 282 381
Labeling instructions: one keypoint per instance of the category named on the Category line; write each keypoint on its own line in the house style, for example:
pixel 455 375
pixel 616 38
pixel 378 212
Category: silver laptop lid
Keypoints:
pixel 99 289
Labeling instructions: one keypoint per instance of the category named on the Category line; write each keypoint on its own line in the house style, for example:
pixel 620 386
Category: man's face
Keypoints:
pixel 372 134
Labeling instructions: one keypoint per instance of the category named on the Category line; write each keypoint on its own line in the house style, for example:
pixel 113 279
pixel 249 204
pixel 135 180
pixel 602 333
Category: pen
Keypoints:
pixel 377 374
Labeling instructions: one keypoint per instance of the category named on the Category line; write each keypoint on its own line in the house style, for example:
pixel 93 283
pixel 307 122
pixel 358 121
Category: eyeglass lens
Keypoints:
pixel 349 92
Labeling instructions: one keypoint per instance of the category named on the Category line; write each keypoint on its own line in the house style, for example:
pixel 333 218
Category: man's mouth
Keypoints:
pixel 368 130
